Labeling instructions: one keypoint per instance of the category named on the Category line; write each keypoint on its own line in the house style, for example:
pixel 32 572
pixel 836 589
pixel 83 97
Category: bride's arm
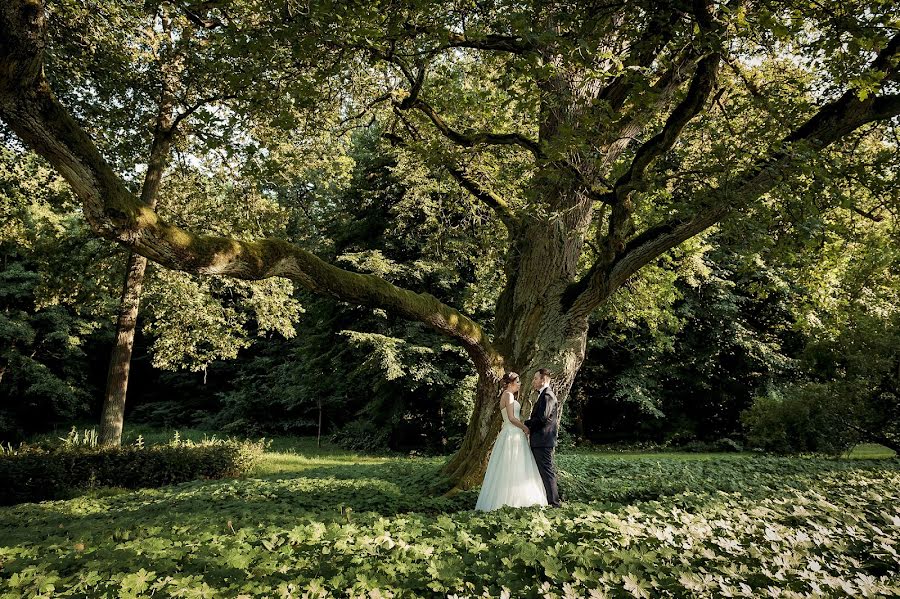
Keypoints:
pixel 512 417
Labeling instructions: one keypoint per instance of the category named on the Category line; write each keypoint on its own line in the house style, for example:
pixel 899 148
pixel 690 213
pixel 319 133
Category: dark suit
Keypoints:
pixel 544 426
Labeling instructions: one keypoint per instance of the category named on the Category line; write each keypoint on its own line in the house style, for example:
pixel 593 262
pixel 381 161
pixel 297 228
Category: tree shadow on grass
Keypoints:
pixel 328 493
pixel 323 494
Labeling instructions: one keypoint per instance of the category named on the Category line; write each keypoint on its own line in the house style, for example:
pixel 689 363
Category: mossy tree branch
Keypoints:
pixel 29 107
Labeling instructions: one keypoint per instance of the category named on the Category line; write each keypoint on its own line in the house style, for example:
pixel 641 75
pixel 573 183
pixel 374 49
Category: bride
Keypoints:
pixel 512 476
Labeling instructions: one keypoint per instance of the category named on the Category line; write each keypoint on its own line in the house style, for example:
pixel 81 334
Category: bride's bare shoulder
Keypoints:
pixel 506 398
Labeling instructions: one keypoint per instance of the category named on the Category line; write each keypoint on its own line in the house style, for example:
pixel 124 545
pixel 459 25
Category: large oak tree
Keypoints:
pixel 601 135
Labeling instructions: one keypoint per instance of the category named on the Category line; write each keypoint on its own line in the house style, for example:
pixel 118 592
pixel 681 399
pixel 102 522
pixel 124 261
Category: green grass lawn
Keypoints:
pixel 870 451
pixel 322 522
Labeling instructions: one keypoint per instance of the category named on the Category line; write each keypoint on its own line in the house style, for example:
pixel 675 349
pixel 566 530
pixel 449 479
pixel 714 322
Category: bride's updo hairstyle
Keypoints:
pixel 508 378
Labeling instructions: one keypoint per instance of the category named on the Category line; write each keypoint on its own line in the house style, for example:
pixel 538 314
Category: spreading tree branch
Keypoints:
pixel 683 62
pixel 472 139
pixel 196 14
pixel 488 197
pixel 194 107
pixel 468 139
pixel 699 91
pixel 621 225
pixel 485 195
pixel 29 107
pixel 629 126
pixel 658 32
pixel 830 123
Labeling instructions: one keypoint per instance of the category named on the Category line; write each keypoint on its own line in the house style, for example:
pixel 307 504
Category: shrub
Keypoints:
pixel 801 418
pixel 36 473
pixel 361 435
pixel 565 439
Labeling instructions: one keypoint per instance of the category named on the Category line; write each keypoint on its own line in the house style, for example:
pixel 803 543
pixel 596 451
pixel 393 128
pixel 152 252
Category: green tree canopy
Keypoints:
pixel 600 135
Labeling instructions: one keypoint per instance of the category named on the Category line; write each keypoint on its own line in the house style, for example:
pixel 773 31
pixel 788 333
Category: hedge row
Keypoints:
pixel 31 473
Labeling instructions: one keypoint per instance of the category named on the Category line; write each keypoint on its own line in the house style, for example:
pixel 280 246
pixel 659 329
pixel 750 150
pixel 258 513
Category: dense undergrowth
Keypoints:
pixel 337 525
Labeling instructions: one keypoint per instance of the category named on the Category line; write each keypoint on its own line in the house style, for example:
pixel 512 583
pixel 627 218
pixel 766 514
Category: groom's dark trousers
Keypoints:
pixel 544 426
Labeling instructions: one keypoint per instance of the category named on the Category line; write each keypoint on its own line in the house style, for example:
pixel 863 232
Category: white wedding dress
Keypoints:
pixel 512 476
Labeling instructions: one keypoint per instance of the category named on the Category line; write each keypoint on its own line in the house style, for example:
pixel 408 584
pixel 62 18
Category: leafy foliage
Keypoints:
pixel 634 526
pixel 47 317
pixel 379 381
pixel 685 349
pixel 851 395
pixel 793 309
pixel 36 473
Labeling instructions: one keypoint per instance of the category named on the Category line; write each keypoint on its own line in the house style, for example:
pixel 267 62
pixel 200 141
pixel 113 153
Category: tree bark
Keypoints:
pixel 113 415
pixel 112 418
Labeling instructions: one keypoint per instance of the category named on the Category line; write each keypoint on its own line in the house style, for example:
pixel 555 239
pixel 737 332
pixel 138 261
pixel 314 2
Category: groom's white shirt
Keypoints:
pixel 542 389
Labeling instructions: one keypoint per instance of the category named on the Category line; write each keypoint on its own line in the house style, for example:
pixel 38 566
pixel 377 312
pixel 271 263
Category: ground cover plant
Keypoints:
pixel 325 522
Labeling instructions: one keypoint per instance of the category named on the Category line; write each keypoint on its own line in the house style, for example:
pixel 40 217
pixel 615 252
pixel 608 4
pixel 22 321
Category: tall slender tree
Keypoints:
pixel 113 415
pixel 576 123
pixel 145 53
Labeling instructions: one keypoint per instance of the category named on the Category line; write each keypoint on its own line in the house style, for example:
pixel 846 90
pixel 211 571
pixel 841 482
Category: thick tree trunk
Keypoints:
pixel 532 331
pixel 562 354
pixel 532 326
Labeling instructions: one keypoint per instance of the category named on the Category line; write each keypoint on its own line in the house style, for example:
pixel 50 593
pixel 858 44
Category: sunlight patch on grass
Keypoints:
pixel 274 462
pixel 870 451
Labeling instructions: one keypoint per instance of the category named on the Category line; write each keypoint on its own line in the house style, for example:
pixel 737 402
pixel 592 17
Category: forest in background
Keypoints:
pixel 782 336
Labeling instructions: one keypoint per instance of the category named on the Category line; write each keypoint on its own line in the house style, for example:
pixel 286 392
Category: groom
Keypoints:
pixel 543 426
